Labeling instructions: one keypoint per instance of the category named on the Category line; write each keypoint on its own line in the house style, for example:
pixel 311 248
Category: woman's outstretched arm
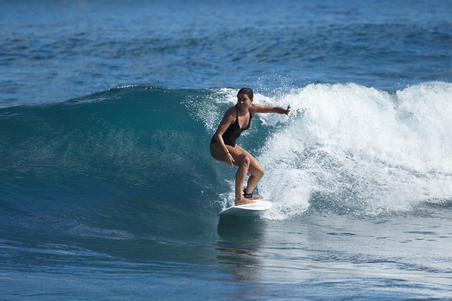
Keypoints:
pixel 270 109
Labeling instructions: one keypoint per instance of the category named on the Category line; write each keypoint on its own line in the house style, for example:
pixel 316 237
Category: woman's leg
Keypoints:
pixel 243 164
pixel 256 171
pixel 242 160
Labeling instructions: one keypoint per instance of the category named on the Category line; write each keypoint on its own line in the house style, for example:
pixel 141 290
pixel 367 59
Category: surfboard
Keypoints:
pixel 257 208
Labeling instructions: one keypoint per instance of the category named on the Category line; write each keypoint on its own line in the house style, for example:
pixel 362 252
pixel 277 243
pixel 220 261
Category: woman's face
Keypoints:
pixel 243 101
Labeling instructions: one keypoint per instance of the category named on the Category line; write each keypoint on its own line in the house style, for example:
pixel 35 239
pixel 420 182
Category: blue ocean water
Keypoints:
pixel 108 190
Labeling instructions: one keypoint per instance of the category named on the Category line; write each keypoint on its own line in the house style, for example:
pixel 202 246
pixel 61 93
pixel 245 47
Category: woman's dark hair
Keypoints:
pixel 247 91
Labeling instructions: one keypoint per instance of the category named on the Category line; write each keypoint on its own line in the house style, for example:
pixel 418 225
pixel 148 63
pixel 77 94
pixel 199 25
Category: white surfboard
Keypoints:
pixel 257 208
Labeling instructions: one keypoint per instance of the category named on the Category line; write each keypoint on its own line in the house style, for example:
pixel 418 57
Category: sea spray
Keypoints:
pixel 359 150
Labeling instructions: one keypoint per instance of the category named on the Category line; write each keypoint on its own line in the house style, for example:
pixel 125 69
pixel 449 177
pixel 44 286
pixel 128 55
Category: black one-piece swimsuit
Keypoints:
pixel 233 132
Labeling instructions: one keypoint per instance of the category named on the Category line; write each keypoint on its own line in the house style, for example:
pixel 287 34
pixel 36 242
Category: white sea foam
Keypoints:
pixel 361 149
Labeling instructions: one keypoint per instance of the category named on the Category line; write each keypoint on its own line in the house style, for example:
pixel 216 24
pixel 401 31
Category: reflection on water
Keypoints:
pixel 239 241
pixel 241 233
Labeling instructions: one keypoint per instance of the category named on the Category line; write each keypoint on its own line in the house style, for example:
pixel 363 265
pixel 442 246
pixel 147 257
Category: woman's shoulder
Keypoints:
pixel 253 109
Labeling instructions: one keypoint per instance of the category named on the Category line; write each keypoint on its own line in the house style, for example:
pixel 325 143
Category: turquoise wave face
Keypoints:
pixel 133 129
pixel 92 148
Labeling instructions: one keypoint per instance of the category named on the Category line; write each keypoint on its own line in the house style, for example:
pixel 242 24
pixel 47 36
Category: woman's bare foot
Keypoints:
pixel 243 201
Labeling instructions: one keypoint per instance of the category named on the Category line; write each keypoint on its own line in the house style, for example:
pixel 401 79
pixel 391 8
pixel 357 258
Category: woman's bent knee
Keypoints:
pixel 244 160
pixel 259 173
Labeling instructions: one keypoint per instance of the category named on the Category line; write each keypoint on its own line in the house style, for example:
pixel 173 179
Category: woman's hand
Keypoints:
pixel 229 160
pixel 288 110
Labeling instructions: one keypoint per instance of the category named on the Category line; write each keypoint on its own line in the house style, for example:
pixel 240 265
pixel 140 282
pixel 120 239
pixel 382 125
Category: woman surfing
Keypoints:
pixel 223 147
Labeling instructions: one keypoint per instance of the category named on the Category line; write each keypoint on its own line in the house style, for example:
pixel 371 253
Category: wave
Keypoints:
pixel 346 148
